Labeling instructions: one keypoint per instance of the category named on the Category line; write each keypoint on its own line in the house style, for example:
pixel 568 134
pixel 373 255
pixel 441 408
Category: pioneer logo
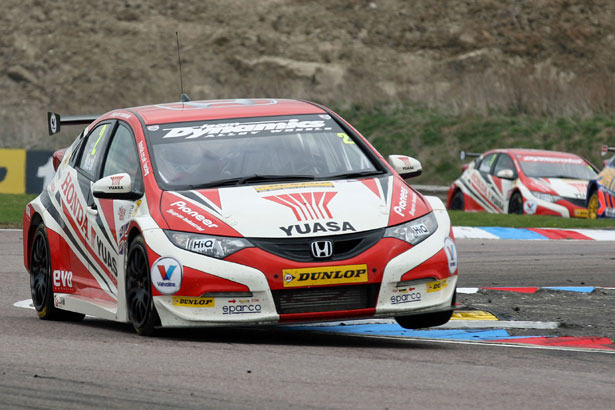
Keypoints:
pixel 322 249
pixel 306 205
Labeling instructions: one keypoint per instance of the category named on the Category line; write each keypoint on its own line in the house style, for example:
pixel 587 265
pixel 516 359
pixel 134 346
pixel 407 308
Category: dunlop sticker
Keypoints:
pixel 436 286
pixel 193 302
pixel 328 275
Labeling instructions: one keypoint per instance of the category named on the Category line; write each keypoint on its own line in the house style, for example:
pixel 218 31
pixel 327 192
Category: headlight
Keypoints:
pixel 415 231
pixel 216 246
pixel 546 197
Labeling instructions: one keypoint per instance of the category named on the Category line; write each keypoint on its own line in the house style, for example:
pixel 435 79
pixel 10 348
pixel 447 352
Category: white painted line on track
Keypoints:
pixel 11 230
pixel 467 290
pixel 26 304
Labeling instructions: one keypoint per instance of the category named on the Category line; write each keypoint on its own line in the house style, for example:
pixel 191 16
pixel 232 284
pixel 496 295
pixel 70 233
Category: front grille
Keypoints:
pixel 298 249
pixel 325 299
pixel 576 201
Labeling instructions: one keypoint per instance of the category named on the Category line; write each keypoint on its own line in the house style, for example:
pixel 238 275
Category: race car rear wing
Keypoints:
pixel 463 155
pixel 54 121
pixel 606 149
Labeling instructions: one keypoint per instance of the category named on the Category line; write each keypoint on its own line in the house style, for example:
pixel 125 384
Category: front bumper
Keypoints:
pixel 418 280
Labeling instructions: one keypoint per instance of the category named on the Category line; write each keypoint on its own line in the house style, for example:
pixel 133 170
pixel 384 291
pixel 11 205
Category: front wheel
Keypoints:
pixel 515 206
pixel 424 320
pixel 40 280
pixel 139 300
pixel 593 205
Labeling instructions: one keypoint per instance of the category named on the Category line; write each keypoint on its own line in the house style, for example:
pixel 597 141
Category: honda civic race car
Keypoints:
pixel 235 212
pixel 601 190
pixel 523 181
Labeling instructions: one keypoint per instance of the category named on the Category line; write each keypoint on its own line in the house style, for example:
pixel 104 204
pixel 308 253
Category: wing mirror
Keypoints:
pixel 505 174
pixel 117 186
pixel 406 167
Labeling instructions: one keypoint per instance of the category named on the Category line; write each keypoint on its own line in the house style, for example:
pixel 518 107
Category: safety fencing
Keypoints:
pixel 25 171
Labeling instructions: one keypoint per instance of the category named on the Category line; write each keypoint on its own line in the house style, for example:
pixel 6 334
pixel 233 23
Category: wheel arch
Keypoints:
pixel 34 223
pixel 132 234
pixel 591 188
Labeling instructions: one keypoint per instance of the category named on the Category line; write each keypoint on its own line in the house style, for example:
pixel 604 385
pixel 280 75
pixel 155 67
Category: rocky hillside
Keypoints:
pixel 85 56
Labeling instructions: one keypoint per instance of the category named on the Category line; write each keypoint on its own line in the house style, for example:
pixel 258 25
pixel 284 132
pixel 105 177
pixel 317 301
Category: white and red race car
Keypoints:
pixel 235 212
pixel 523 181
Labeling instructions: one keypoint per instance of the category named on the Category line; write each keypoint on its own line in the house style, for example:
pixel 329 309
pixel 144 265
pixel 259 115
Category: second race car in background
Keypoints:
pixel 523 181
pixel 601 190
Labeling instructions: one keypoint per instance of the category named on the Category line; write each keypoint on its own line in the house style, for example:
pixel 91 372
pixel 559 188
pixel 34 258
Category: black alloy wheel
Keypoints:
pixel 515 206
pixel 457 203
pixel 139 300
pixel 426 320
pixel 40 280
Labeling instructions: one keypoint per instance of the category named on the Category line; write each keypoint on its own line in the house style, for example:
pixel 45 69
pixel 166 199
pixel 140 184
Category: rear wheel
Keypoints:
pixel 457 203
pixel 139 300
pixel 515 206
pixel 40 280
pixel 593 205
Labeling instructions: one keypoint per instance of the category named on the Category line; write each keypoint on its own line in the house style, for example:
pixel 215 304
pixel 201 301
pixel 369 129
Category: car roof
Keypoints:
pixel 221 109
pixel 541 152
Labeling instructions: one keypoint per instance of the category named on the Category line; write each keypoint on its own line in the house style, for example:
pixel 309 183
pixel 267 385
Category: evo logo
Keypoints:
pixel 167 275
pixel 62 280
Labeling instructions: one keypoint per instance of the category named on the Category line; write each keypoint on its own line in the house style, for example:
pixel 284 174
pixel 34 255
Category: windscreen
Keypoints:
pixel 229 152
pixel 555 167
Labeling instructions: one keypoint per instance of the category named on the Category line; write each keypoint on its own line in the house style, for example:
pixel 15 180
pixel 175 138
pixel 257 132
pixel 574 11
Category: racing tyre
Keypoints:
pixel 593 205
pixel 515 206
pixel 457 203
pixel 427 319
pixel 424 320
pixel 139 300
pixel 40 280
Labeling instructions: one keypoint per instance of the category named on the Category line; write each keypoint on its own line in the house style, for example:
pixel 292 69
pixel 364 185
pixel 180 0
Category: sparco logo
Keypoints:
pixel 306 205
pixel 322 249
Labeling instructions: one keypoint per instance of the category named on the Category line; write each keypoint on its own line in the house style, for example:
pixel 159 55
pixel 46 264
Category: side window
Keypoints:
pixel 504 162
pixel 486 163
pixel 94 149
pixel 123 157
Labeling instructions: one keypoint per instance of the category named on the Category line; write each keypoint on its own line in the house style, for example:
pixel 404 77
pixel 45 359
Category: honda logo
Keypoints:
pixel 322 249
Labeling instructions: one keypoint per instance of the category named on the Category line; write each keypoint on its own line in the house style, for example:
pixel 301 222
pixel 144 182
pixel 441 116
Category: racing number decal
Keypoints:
pixel 346 138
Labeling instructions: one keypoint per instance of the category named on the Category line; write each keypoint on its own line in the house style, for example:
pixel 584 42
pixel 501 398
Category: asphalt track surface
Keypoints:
pixel 100 364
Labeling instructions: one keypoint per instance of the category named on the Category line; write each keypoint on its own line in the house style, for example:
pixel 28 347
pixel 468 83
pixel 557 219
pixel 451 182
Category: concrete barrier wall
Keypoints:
pixel 24 171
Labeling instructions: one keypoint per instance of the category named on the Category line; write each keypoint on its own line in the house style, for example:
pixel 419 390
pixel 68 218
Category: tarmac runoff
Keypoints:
pixel 476 326
pixel 465 326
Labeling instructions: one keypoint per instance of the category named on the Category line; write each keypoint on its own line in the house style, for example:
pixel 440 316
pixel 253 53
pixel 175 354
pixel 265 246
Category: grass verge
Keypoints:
pixel 460 218
pixel 11 209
